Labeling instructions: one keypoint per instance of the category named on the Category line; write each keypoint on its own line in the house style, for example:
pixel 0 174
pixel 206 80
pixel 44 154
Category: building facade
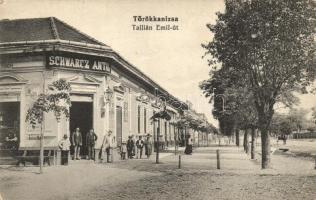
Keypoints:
pixel 107 92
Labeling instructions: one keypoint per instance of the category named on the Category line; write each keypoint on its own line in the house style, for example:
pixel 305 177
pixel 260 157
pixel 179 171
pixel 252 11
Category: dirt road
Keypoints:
pixel 239 178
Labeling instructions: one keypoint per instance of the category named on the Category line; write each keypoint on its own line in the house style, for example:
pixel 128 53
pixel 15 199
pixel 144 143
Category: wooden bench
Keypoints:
pixel 284 149
pixel 33 155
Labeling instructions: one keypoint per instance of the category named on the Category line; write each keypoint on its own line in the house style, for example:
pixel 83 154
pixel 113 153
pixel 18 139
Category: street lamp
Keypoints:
pixel 108 94
pixel 158 130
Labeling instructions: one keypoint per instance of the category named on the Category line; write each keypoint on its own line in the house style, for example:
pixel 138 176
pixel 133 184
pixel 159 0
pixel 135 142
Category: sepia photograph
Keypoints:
pixel 157 99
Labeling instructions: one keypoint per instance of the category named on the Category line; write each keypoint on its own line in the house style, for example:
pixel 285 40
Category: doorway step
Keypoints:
pixel 8 157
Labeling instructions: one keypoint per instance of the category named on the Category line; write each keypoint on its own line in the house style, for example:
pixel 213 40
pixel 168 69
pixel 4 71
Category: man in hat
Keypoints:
pixel 77 143
pixel 64 145
pixel 90 141
pixel 107 145
pixel 130 147
pixel 140 145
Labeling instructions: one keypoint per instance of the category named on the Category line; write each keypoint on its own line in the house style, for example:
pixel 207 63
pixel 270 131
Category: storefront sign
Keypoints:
pixel 78 62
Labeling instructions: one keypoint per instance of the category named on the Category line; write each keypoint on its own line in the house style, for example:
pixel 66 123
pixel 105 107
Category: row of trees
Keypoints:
pixel 295 120
pixel 188 120
pixel 261 52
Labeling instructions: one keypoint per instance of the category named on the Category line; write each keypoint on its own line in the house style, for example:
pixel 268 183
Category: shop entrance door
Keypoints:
pixel 81 116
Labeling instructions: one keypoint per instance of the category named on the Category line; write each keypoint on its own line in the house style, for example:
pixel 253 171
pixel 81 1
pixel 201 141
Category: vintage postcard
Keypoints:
pixel 150 99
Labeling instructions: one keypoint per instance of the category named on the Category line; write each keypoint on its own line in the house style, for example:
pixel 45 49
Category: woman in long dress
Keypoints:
pixel 188 148
pixel 148 146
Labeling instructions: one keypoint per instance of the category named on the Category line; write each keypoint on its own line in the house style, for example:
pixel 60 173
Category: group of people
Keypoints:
pixel 282 137
pixel 135 148
pixel 76 141
pixel 131 147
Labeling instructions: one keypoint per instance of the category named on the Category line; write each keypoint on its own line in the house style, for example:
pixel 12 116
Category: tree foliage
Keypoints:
pixel 294 120
pixel 270 47
pixel 187 120
pixel 271 43
pixel 239 111
pixel 57 101
pixel 314 114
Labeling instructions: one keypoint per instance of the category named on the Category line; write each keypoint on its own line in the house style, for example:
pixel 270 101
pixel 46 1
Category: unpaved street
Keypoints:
pixel 239 178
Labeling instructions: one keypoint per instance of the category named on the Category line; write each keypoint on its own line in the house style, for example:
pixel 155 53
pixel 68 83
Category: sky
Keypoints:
pixel 173 59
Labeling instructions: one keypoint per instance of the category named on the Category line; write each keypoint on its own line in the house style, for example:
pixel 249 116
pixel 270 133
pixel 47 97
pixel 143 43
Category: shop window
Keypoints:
pixel 9 124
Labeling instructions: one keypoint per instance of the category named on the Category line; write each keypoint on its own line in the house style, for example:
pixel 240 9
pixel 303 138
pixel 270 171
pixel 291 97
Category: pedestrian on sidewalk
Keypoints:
pixel 140 145
pixel 107 145
pixel 90 141
pixel 148 145
pixel 77 143
pixel 188 148
pixel 123 150
pixel 284 139
pixel 64 146
pixel 135 148
pixel 130 147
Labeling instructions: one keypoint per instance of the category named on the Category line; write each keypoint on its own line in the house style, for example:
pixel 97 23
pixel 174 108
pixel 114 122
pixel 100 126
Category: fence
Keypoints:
pixel 304 135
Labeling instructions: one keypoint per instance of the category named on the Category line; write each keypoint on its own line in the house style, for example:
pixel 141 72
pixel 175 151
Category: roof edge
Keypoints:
pixel 105 47
pixel 72 27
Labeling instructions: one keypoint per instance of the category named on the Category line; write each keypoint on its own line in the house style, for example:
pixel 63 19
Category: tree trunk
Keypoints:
pixel 219 140
pixel 253 141
pixel 157 150
pixel 198 139
pixel 246 146
pixel 237 137
pixel 41 160
pixel 265 149
pixel 207 139
pixel 264 118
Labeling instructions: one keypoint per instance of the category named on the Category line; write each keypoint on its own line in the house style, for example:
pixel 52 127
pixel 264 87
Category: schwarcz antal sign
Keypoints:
pixel 78 62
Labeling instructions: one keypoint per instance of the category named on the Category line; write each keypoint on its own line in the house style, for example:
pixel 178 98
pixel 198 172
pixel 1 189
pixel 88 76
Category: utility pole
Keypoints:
pixel 157 147
pixel 158 131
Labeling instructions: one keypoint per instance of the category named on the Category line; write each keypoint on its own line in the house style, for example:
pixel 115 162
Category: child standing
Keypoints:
pixel 123 150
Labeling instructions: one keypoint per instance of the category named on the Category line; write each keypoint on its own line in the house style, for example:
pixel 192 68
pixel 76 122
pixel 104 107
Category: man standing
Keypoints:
pixel 90 141
pixel 140 145
pixel 64 145
pixel 77 143
pixel 130 147
pixel 108 144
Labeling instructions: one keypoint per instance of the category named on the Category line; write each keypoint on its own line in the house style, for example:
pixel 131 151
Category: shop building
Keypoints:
pixel 107 92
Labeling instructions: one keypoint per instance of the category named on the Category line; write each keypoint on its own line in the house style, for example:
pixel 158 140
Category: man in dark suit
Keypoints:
pixel 91 138
pixel 77 143
pixel 130 147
